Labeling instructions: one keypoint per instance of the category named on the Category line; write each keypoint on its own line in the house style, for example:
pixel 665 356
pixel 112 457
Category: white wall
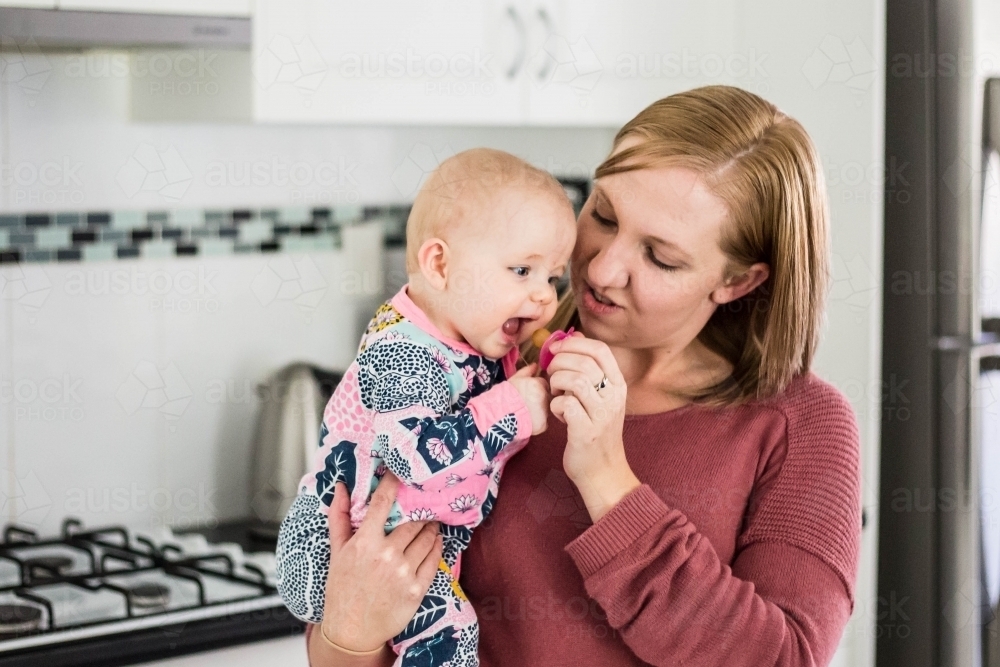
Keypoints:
pixel 824 65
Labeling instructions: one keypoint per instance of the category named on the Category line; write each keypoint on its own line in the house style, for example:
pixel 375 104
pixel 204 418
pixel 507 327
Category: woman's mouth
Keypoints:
pixel 598 304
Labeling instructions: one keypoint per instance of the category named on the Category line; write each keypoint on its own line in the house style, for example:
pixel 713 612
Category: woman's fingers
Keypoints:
pixel 573 361
pixel 597 350
pixel 573 381
pixel 379 507
pixel 421 544
pixel 338 519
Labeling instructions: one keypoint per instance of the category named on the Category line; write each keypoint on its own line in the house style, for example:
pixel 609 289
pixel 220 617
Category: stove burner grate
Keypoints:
pixel 19 619
pixel 149 595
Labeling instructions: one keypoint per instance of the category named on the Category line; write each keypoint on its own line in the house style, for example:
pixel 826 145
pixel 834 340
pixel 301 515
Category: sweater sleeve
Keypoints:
pixel 789 592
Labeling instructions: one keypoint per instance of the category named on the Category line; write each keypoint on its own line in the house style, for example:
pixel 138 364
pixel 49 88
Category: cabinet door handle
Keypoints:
pixel 546 21
pixel 522 36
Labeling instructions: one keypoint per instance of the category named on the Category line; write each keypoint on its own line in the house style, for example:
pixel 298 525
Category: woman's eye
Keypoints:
pixel 520 270
pixel 658 263
pixel 601 220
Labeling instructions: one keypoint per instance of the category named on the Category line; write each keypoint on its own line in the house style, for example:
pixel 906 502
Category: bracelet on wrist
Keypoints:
pixel 335 645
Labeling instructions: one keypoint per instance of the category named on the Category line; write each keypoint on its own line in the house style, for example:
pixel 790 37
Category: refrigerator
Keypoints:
pixel 939 507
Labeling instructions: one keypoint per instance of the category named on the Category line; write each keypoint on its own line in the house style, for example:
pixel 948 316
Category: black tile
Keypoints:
pixel 98 218
pixel 242 215
pixel 9 256
pixel 228 232
pixel 171 233
pixel 37 220
pixel 308 229
pixel 281 230
pixel 127 251
pixel 321 213
pixel 84 236
pixel 21 238
pixel 68 255
pixel 269 246
pixel 187 249
pixel 141 235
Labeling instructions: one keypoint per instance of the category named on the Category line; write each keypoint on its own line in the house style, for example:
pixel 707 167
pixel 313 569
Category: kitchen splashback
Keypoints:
pixel 108 235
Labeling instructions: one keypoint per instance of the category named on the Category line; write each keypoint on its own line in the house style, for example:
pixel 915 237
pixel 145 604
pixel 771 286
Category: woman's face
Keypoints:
pixel 647 268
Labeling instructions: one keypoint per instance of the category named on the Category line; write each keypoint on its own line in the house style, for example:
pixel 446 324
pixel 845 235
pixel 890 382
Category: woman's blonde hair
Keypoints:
pixel 763 164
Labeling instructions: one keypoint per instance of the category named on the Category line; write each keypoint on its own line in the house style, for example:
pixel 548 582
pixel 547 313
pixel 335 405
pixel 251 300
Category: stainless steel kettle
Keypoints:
pixel 287 437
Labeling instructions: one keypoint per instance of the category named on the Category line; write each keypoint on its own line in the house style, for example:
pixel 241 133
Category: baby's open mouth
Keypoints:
pixel 512 327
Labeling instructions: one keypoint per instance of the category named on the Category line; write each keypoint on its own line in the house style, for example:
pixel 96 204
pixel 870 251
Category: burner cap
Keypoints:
pixel 149 595
pixel 16 619
pixel 47 567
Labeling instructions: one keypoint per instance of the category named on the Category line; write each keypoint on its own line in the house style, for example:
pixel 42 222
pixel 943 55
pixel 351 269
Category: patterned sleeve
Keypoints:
pixel 445 457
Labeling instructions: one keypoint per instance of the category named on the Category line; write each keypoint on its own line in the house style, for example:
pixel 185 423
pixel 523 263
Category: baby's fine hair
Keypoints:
pixel 463 186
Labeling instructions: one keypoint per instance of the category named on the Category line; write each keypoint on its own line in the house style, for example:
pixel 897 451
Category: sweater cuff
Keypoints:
pixel 634 514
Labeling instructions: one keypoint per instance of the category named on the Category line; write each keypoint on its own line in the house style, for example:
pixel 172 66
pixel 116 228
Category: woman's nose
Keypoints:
pixel 609 267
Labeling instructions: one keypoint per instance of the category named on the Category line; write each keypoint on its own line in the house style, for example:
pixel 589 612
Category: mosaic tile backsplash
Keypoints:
pixel 104 235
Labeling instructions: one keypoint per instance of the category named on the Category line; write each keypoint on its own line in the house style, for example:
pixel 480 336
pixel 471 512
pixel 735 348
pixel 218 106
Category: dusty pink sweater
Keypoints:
pixel 739 549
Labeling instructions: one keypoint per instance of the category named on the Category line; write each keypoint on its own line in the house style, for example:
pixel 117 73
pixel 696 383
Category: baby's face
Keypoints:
pixel 501 285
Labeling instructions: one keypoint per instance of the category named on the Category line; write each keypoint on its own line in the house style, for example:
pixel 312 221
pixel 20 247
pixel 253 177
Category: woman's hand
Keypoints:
pixel 595 455
pixel 376 581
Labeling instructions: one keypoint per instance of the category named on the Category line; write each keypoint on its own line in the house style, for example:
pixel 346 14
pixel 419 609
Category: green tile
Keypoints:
pixel 157 249
pixel 38 256
pixel 256 231
pixel 69 219
pixel 295 215
pixel 128 219
pixel 99 252
pixel 187 217
pixel 348 214
pixel 52 237
pixel 4 239
pixel 215 246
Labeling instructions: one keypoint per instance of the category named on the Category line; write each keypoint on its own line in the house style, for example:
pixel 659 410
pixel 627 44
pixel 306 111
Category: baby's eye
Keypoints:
pixel 520 270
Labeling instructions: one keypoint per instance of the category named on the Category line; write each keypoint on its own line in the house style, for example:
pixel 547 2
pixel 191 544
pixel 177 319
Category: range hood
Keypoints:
pixel 60 28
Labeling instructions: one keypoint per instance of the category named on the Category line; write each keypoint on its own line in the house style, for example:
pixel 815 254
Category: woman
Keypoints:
pixel 697 499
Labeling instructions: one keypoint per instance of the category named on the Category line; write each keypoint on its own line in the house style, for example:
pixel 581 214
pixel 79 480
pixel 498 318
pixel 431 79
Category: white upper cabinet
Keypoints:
pixel 201 7
pixel 602 61
pixel 388 61
pixel 491 62
pixel 33 4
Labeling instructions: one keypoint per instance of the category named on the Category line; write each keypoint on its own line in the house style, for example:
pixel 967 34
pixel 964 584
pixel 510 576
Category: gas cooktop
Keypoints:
pixel 106 596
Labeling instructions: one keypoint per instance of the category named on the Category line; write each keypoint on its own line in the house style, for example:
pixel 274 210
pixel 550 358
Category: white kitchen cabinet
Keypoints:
pixel 602 62
pixel 203 7
pixel 387 61
pixel 495 62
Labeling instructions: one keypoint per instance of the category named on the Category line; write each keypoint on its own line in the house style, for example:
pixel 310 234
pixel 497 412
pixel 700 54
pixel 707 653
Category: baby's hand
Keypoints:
pixel 535 393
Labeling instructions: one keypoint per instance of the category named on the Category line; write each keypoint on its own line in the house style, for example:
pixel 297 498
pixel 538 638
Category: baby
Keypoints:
pixel 432 395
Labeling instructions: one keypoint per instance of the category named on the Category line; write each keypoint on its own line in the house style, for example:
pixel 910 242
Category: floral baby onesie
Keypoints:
pixel 442 418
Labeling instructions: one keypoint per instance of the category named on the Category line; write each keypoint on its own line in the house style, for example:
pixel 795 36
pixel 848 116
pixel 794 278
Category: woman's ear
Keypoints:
pixel 742 284
pixel 432 258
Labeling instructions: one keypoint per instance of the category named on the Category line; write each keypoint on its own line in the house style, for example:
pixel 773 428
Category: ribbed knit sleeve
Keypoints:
pixel 788 593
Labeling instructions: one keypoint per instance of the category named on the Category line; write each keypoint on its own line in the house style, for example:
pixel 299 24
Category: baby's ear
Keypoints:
pixel 432 257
